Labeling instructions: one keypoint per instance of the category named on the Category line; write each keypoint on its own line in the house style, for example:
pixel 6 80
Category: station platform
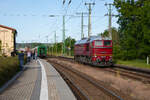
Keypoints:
pixel 39 81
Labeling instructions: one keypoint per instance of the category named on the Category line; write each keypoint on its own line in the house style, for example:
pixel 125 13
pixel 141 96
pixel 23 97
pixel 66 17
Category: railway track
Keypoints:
pixel 145 78
pixel 122 71
pixel 85 87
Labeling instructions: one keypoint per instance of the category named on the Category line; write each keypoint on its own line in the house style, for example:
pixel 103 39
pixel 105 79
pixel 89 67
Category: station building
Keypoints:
pixel 7 40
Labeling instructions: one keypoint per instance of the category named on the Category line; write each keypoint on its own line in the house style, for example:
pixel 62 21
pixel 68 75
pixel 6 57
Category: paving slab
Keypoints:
pixel 57 87
pixel 40 81
pixel 22 88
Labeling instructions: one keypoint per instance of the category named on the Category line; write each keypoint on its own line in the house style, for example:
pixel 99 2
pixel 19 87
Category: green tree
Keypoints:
pixel 115 35
pixel 134 30
pixel 69 47
pixel 69 43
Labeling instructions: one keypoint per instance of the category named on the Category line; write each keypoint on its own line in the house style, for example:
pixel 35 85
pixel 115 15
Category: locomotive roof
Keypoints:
pixel 92 38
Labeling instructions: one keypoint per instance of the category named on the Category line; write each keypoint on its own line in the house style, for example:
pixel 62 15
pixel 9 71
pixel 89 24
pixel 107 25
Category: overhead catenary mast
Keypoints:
pixel 89 23
pixel 63 34
pixel 110 19
pixel 82 23
pixel 55 41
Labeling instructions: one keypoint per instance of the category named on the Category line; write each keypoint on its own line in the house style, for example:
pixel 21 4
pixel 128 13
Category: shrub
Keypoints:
pixel 9 66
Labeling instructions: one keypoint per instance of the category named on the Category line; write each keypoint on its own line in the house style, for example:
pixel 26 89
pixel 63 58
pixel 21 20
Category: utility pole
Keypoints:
pixel 82 23
pixel 55 41
pixel 47 41
pixel 70 47
pixel 89 23
pixel 47 38
pixel 63 34
pixel 110 19
pixel 51 47
pixel 39 38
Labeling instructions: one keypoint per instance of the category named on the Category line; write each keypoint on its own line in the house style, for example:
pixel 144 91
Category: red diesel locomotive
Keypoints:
pixel 94 50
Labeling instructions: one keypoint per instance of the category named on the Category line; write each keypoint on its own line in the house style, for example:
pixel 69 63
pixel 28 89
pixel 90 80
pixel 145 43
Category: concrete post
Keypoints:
pixel 147 60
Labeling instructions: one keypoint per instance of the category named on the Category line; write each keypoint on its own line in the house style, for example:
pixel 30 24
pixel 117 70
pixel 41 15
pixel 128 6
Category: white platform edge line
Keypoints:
pixel 44 86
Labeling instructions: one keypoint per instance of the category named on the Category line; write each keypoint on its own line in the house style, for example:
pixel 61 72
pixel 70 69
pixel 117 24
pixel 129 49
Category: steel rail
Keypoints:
pixel 134 69
pixel 131 72
pixel 147 71
pixel 94 83
pixel 85 96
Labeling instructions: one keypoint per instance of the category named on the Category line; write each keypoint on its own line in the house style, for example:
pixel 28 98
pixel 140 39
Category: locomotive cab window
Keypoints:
pixel 107 43
pixel 98 43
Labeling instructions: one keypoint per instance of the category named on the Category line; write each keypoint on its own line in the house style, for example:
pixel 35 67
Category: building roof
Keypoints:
pixel 92 38
pixel 14 30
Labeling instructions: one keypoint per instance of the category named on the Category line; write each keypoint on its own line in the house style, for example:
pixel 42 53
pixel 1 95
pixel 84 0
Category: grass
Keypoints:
pixel 134 63
pixel 9 66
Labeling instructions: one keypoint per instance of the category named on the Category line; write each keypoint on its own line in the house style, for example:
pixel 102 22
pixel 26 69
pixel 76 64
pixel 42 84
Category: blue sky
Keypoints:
pixel 32 21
